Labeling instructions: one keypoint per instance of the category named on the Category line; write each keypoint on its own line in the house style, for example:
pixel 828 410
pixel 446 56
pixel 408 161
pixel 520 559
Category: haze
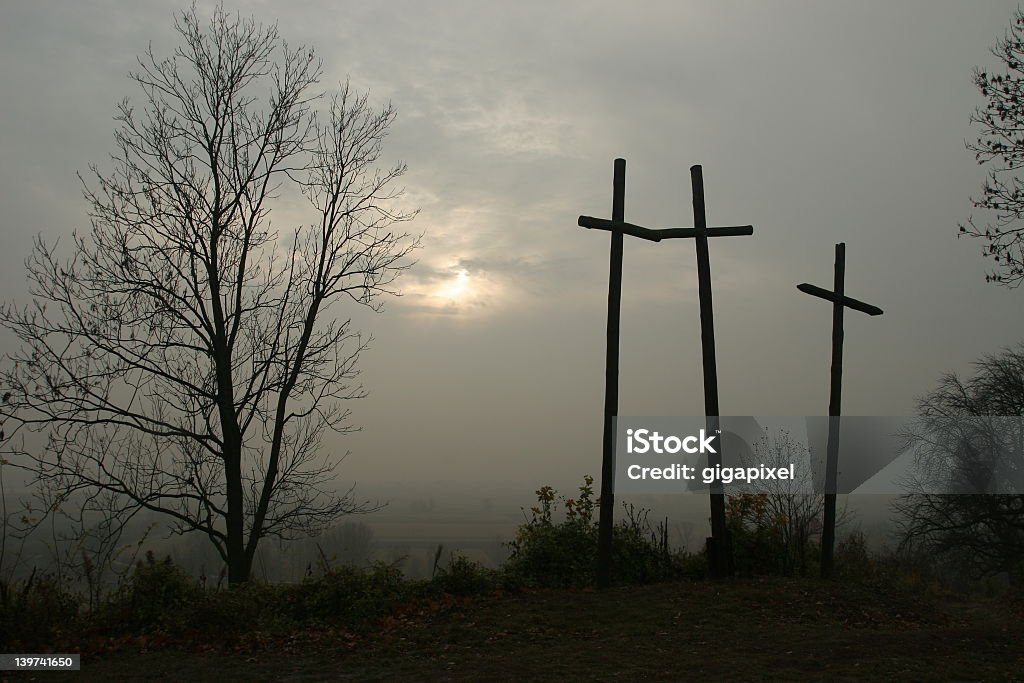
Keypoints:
pixel 815 122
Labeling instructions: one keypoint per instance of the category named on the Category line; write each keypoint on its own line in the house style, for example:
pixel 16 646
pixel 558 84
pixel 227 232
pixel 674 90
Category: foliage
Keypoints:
pixel 157 596
pixel 551 553
pixel 640 552
pixel 246 608
pixel 35 613
pixel 904 569
pixel 773 531
pixel 758 537
pixel 768 540
pixel 463 576
pixel 853 558
pixel 1000 144
pixel 349 595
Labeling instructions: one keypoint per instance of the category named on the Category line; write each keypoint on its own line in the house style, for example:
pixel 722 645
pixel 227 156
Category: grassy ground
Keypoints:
pixel 744 630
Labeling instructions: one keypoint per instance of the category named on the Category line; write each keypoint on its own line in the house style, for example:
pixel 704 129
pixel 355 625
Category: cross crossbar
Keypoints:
pixel 592 223
pixel 619 226
pixel 847 301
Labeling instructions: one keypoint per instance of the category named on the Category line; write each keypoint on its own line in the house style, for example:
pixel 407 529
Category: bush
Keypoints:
pixel 914 570
pixel 251 606
pixel 767 541
pixel 906 569
pixel 156 596
pixel 560 554
pixel 853 560
pixel 463 576
pixel 546 553
pixel 687 565
pixel 639 552
pixel 34 614
pixel 351 595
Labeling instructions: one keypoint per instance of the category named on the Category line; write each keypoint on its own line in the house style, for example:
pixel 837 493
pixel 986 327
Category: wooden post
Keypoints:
pixel 720 546
pixel 611 381
pixel 835 394
pixel 839 302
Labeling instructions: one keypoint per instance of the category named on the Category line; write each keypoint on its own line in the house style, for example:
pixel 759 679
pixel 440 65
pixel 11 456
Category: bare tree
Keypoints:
pixel 185 358
pixel 1000 144
pixel 969 441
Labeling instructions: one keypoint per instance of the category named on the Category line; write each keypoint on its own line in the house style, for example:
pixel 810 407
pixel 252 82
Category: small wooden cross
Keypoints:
pixel 719 557
pixel 839 302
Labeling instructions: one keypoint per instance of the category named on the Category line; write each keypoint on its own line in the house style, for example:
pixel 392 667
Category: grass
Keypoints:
pixel 776 629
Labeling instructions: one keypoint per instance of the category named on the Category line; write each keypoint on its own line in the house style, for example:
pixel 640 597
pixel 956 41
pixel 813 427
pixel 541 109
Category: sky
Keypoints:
pixel 814 122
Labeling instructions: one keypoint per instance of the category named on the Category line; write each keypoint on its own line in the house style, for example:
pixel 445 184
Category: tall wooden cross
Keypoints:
pixel 719 557
pixel 839 302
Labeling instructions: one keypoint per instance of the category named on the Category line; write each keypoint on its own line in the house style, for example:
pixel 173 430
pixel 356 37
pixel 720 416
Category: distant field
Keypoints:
pixel 456 530
pixel 743 630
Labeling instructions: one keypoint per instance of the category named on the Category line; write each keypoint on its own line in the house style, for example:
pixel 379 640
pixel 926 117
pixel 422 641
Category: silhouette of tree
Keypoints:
pixel 966 442
pixel 1000 144
pixel 186 358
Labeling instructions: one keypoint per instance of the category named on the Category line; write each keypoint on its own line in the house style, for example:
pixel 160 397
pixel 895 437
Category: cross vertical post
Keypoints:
pixel 720 547
pixel 835 397
pixel 839 302
pixel 611 381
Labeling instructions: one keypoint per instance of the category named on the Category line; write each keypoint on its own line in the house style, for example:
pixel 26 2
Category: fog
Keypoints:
pixel 815 123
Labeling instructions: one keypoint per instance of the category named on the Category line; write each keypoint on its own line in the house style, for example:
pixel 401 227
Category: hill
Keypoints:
pixel 756 629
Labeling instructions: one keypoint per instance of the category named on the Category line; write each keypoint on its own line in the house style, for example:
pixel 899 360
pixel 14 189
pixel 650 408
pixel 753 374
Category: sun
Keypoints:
pixel 457 289
pixel 454 290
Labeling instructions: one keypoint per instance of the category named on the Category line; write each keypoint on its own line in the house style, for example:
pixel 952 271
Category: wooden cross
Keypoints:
pixel 839 302
pixel 719 557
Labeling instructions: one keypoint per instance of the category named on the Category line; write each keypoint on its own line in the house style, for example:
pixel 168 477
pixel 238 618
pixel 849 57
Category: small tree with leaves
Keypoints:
pixel 187 357
pixel 1000 145
pixel 773 529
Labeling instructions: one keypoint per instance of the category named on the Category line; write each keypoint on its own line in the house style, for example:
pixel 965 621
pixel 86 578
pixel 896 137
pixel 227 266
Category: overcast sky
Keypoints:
pixel 815 122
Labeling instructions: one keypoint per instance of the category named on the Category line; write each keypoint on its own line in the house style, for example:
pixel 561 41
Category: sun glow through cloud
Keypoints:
pixel 456 290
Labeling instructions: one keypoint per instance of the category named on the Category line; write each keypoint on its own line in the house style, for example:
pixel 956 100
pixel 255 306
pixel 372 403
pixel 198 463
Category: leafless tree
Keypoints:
pixel 964 502
pixel 1000 145
pixel 186 358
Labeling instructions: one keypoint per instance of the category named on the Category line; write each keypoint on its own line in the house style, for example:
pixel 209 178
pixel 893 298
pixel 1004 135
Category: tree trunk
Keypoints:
pixel 238 559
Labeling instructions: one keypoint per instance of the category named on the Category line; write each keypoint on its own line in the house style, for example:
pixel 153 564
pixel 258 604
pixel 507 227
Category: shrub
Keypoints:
pixel 546 553
pixel 156 596
pixel 687 565
pixel 640 552
pixel 251 606
pixel 853 560
pixel 351 595
pixel 907 569
pixel 559 554
pixel 771 534
pixel 463 576
pixel 35 613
